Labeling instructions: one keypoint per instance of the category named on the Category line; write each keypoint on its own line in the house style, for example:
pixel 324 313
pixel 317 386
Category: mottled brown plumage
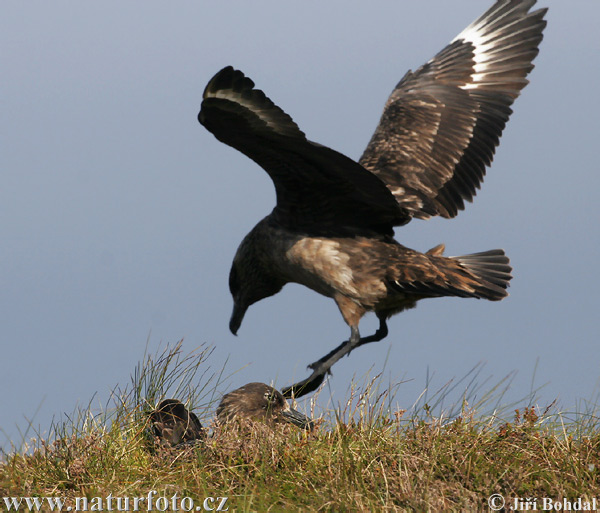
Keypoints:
pixel 258 401
pixel 332 228
pixel 174 425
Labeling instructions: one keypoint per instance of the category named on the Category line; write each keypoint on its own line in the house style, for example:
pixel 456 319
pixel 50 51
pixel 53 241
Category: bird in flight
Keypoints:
pixel 332 228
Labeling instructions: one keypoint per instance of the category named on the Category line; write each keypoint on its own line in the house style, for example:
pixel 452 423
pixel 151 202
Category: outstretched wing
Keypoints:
pixel 318 189
pixel 441 124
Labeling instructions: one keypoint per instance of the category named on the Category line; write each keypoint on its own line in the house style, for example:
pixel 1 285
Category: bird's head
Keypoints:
pixel 250 280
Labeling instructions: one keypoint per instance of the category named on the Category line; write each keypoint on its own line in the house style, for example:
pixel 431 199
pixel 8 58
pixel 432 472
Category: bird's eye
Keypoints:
pixel 269 399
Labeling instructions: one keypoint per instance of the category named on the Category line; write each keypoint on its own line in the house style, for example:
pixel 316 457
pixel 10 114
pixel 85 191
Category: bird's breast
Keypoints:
pixel 322 265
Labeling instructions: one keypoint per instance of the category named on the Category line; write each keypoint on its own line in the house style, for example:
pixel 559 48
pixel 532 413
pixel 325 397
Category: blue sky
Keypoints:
pixel 121 214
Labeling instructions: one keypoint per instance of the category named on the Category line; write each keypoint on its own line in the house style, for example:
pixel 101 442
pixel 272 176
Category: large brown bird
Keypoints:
pixel 332 228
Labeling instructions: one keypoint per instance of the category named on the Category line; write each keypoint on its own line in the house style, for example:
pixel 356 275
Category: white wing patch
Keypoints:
pixel 480 54
pixel 265 115
pixel 486 35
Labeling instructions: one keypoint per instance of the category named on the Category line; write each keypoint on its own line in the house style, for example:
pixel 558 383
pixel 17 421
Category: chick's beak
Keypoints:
pixel 237 316
pixel 297 418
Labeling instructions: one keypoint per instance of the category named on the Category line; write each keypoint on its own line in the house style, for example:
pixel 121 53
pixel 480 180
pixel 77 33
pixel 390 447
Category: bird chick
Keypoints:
pixel 175 425
pixel 258 401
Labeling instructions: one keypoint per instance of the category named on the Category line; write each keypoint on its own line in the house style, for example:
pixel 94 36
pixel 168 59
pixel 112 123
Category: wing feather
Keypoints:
pixel 319 190
pixel 441 124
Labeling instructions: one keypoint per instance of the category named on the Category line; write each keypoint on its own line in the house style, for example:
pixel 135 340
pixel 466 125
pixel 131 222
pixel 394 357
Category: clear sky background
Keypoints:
pixel 120 214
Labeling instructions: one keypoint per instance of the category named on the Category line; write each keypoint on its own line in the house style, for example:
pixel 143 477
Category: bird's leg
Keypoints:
pixel 322 367
pixel 348 345
pixel 380 334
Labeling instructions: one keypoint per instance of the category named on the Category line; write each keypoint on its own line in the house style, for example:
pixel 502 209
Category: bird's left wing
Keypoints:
pixel 442 123
pixel 318 189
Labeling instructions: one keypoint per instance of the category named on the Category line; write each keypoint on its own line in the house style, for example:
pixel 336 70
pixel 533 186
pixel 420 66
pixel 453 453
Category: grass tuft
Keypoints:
pixel 366 454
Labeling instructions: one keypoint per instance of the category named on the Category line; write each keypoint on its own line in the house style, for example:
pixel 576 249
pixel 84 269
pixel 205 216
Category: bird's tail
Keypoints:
pixel 491 270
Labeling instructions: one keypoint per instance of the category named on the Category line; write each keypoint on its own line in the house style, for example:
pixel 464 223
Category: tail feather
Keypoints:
pixel 491 269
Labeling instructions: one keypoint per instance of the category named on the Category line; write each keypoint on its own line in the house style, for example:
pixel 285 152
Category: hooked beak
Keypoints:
pixel 237 316
pixel 297 418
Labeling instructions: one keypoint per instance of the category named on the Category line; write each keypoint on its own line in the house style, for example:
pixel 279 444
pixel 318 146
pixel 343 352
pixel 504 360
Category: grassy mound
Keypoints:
pixel 364 456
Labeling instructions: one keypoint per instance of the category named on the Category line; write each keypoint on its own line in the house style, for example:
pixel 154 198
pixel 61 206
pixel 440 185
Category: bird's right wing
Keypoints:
pixel 441 124
pixel 318 189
